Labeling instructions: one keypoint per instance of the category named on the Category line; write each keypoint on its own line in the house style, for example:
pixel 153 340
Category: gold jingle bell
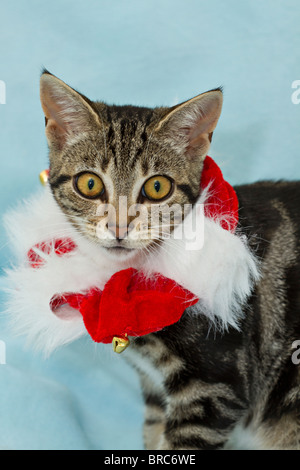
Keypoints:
pixel 44 177
pixel 120 344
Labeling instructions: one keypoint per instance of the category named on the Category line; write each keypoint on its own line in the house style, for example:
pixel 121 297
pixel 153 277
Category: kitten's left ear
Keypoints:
pixel 189 126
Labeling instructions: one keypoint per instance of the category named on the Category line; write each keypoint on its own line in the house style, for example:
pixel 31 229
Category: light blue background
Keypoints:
pixel 155 52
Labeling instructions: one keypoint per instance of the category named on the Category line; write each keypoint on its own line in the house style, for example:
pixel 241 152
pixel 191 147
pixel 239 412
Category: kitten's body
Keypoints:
pixel 199 382
pixel 201 385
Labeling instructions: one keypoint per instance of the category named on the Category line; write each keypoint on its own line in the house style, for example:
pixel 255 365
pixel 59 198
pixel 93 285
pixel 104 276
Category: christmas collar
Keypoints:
pixel 132 304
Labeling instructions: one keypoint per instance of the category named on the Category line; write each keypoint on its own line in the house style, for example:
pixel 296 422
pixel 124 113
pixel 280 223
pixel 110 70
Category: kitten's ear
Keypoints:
pixel 67 112
pixel 189 126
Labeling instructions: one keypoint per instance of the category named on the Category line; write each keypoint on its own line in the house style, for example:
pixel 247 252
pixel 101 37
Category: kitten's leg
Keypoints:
pixel 155 417
pixel 200 416
pixel 152 383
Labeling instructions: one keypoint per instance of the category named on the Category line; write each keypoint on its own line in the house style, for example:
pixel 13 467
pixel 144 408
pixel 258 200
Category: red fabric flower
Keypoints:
pixel 130 304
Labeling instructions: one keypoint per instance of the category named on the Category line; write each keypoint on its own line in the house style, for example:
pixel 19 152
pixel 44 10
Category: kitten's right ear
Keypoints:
pixel 67 112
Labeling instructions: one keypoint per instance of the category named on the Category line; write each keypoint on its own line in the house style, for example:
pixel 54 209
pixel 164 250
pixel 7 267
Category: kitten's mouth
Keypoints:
pixel 120 250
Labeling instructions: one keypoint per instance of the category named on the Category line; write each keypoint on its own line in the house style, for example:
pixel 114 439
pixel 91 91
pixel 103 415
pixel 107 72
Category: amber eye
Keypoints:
pixel 157 187
pixel 89 185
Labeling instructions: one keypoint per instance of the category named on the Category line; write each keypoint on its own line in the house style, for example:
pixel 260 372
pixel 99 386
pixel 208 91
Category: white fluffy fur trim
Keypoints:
pixel 30 290
pixel 221 272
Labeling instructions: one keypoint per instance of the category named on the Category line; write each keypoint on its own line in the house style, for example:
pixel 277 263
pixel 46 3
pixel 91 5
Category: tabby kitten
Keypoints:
pixel 201 384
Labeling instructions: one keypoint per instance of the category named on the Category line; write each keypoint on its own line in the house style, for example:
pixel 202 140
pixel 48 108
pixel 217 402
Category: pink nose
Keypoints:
pixel 118 232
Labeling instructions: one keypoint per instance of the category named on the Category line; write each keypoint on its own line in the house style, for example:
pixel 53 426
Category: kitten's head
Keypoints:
pixel 123 174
